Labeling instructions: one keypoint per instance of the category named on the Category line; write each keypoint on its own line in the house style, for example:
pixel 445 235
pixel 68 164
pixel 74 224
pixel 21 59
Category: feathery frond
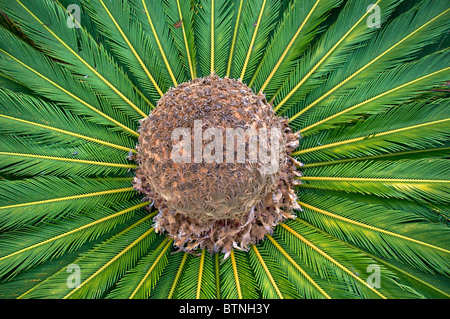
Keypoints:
pixel 213 19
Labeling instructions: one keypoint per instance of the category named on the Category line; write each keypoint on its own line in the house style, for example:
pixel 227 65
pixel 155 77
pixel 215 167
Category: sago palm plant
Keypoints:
pixel 91 207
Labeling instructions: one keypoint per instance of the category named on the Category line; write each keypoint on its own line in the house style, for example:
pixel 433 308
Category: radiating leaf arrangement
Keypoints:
pixel 374 145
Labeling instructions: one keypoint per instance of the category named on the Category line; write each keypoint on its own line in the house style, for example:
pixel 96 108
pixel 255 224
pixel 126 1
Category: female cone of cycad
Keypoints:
pixel 217 205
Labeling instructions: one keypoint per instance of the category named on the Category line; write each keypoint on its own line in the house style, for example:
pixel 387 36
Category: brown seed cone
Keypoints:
pixel 217 205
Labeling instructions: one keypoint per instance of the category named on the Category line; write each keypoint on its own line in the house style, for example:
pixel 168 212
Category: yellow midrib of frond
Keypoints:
pixel 191 67
pixel 200 274
pixel 161 50
pixel 217 267
pixel 84 137
pixel 72 95
pixel 74 197
pixel 357 139
pixel 212 36
pixel 76 230
pixel 73 160
pixel 177 277
pixel 318 164
pixel 263 264
pixel 371 100
pixel 112 87
pixel 136 55
pixel 331 259
pixel 376 229
pixel 372 179
pixel 161 254
pixel 255 32
pixel 359 71
pixel 236 275
pixel 74 20
pixel 297 266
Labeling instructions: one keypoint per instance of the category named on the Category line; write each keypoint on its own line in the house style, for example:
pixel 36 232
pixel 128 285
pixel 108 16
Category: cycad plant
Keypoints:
pixel 360 84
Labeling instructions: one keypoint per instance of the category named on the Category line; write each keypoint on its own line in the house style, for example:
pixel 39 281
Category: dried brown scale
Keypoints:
pixel 217 206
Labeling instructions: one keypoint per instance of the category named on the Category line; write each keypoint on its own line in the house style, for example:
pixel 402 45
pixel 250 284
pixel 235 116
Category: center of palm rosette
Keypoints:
pixel 216 161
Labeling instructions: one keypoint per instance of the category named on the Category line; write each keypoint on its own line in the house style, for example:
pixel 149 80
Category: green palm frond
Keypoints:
pixel 328 54
pixel 37 200
pixel 213 22
pixel 387 49
pixel 238 281
pixel 293 35
pixel 166 286
pixel 153 18
pixel 139 282
pixel 370 104
pixel 24 159
pixel 128 43
pixel 54 126
pixel 57 238
pixel 333 262
pixel 45 24
pixel 198 280
pixel 251 32
pixel 272 281
pixel 45 77
pixel 425 180
pixel 419 125
pixel 180 17
pixel 393 87
pixel 107 262
pixel 374 222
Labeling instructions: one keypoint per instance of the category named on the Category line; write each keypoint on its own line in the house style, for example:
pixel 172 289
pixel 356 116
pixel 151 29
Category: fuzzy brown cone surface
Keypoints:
pixel 216 161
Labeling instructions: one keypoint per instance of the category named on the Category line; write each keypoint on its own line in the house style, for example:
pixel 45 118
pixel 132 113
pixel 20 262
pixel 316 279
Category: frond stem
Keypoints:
pixel 285 52
pixel 166 62
pixel 360 70
pixel 263 264
pixel 361 179
pixel 376 229
pixel 161 254
pixel 233 42
pixel 236 275
pixel 212 36
pixel 292 261
pixel 200 274
pixel 255 32
pixel 357 139
pixel 217 276
pixel 74 197
pixel 112 87
pixel 191 68
pixel 177 277
pixel 73 160
pixel 331 259
pixel 84 137
pixel 374 157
